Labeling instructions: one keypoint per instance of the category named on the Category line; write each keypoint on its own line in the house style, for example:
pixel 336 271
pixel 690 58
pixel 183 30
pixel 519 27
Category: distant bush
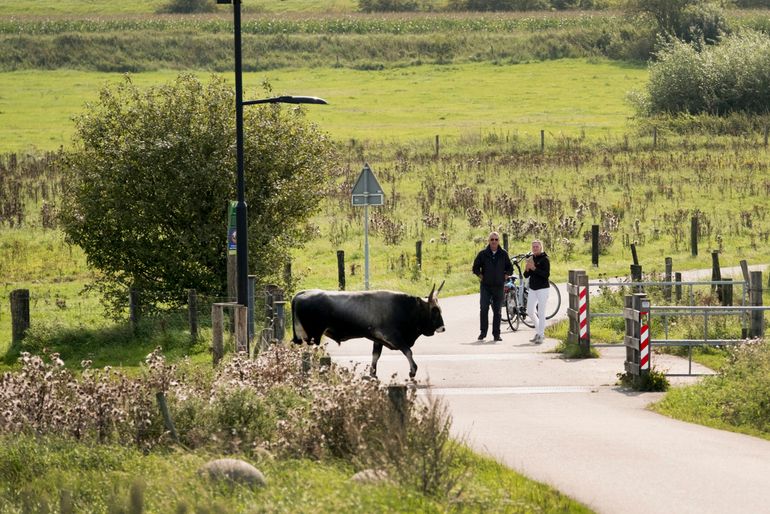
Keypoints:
pixel 498 5
pixel 731 77
pixel 703 23
pixel 686 20
pixel 524 5
pixel 187 7
pixel 752 3
pixel 388 5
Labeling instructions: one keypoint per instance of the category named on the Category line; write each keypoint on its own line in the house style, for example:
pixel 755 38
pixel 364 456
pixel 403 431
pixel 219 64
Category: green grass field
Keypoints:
pixel 106 7
pixel 571 97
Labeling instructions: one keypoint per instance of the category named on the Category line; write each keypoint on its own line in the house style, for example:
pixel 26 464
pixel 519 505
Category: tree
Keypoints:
pixel 686 20
pixel 149 181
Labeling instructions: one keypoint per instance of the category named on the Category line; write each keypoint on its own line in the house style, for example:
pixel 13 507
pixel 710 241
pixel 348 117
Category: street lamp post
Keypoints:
pixel 241 209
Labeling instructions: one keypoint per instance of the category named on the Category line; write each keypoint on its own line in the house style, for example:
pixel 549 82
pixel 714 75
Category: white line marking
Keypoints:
pixel 489 391
pixel 445 358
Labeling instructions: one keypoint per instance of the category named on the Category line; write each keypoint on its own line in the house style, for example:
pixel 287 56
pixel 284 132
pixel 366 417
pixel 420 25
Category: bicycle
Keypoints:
pixel 515 297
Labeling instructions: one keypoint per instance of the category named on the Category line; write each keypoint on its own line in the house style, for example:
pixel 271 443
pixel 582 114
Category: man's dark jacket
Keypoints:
pixel 492 268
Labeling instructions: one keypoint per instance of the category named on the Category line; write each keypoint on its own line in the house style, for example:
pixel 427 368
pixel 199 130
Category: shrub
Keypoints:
pixel 703 23
pixel 498 5
pixel 244 407
pixel 731 77
pixel 387 5
pixel 187 7
pixel 653 381
pixel 165 156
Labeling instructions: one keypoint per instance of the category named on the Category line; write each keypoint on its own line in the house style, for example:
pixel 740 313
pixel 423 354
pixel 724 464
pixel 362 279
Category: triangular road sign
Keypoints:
pixel 367 190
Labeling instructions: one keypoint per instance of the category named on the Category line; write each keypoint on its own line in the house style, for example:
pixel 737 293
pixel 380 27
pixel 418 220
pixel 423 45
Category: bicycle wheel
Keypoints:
pixel 511 310
pixel 504 316
pixel 554 301
pixel 523 311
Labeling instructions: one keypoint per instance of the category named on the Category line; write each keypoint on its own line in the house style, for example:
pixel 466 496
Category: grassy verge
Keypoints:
pixel 36 472
pixel 735 400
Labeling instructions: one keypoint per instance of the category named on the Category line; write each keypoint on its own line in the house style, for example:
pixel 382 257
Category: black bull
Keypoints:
pixel 388 318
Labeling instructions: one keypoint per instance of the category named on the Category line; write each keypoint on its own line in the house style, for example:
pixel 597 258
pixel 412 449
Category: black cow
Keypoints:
pixel 388 318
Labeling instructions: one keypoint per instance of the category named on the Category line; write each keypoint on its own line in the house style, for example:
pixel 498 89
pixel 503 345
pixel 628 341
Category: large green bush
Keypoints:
pixel 731 77
pixel 151 175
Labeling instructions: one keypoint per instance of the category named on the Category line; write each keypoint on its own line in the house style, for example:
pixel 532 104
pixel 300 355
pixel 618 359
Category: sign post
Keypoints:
pixel 366 192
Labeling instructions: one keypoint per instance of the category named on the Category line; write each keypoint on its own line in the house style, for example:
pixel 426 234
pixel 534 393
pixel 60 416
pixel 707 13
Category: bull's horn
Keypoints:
pixel 430 296
pixel 440 287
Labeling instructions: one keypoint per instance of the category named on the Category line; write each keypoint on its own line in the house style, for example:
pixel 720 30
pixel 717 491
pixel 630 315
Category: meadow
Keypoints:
pixel 105 7
pixel 487 103
pixel 566 98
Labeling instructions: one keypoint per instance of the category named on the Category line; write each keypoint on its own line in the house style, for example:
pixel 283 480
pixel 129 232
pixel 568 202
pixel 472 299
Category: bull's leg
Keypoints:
pixel 412 365
pixel 376 352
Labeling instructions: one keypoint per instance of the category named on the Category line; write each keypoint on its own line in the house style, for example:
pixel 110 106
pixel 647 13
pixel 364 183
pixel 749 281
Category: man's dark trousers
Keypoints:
pixel 493 295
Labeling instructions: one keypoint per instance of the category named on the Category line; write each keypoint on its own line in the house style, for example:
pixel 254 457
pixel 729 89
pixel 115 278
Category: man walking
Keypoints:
pixel 493 267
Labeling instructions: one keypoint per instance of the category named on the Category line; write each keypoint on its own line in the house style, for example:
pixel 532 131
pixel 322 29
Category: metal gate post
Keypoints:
pixel 578 313
pixel 637 338
pixel 584 322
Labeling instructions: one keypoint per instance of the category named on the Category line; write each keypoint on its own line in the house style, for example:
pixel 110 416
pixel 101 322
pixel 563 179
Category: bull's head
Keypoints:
pixel 436 321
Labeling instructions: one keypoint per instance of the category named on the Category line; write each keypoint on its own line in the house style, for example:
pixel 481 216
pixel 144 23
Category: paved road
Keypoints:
pixel 565 422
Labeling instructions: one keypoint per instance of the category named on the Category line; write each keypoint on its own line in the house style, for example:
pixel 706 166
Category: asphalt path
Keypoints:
pixel 567 423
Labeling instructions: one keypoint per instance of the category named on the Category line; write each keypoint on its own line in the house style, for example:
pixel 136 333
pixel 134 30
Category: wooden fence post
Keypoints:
pixel 341 269
pixel 727 294
pixel 192 313
pixel 636 276
pixel 397 397
pixel 694 235
pixel 634 256
pixel 279 315
pixel 19 314
pixel 716 274
pixel 542 141
pixel 437 147
pixel 217 327
pixel 669 266
pixel 757 325
pixel 241 328
pixel 678 287
pixel 654 137
pixel 505 241
pixel 595 245
pixel 418 254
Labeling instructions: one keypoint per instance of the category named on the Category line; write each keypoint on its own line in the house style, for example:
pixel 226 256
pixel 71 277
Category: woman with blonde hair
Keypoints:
pixel 538 270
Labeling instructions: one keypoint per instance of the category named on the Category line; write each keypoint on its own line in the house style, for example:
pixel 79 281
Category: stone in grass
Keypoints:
pixel 233 471
pixel 371 476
